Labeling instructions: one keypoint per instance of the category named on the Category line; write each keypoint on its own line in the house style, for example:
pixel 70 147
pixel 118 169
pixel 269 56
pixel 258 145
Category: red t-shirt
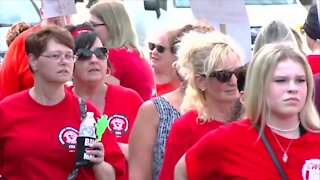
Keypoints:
pixel 38 142
pixel 167 87
pixel 314 61
pixel 235 152
pixel 15 75
pixel 133 71
pixel 122 105
pixel 184 133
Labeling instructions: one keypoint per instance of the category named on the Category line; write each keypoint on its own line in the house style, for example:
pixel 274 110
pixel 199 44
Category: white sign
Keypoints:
pixel 54 8
pixel 227 16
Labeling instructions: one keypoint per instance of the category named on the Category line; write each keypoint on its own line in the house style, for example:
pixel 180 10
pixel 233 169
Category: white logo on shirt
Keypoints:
pixel 118 124
pixel 311 169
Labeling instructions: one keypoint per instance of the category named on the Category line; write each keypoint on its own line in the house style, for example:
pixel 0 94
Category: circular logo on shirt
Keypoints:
pixel 68 137
pixel 311 169
pixel 118 124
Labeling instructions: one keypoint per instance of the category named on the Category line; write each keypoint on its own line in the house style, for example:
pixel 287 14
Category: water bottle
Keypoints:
pixel 87 135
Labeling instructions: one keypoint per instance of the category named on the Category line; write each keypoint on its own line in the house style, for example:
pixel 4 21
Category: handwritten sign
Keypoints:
pixel 54 8
pixel 229 17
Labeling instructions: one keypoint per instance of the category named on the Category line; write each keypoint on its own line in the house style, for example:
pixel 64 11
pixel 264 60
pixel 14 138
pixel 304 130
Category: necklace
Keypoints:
pixel 284 130
pixel 285 152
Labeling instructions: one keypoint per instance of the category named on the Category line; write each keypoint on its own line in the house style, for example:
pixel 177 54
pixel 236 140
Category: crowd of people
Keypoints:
pixel 192 109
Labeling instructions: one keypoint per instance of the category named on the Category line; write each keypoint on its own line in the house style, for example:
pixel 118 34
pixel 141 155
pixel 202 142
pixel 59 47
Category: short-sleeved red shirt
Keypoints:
pixel 133 71
pixel 184 133
pixel 235 151
pixel 38 142
pixel 15 75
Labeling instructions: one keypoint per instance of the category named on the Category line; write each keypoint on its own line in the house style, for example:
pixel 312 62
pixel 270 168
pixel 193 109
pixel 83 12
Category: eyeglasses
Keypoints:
pixel 59 56
pixel 159 48
pixel 223 75
pixel 97 24
pixel 85 54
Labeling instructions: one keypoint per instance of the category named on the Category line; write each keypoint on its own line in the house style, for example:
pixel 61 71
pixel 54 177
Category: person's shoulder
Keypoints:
pixel 234 129
pixel 124 93
pixel 148 105
pixel 188 116
pixel 147 115
pixel 19 96
pixel 148 109
pixel 311 135
pixel 124 53
pixel 313 57
pixel 118 52
pixel 239 125
pixel 121 90
pixel 186 121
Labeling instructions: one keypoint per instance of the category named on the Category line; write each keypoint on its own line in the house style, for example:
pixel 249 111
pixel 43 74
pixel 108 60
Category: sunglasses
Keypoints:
pixel 159 48
pixel 223 75
pixel 85 54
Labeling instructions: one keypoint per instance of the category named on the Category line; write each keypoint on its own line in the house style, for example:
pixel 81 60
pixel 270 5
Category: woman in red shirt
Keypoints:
pixel 39 126
pixel 112 23
pixel 210 60
pixel 279 108
pixel 120 104
pixel 162 56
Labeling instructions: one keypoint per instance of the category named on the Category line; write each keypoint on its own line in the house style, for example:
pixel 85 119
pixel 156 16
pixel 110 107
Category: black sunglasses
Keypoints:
pixel 86 54
pixel 223 75
pixel 159 48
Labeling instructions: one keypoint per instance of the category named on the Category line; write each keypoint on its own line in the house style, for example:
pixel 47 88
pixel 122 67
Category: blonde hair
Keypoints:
pixel 200 28
pixel 259 75
pixel 298 39
pixel 202 53
pixel 275 31
pixel 116 18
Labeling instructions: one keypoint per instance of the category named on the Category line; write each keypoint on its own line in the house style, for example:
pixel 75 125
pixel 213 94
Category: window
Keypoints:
pixel 12 11
pixel 181 3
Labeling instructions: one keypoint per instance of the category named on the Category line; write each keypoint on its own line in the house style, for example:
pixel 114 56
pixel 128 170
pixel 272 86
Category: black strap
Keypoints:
pixel 83 108
pixel 273 156
pixel 74 173
pixel 83 113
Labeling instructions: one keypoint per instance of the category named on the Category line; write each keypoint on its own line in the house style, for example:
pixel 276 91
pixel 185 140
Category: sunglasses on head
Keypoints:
pixel 223 75
pixel 84 54
pixel 159 48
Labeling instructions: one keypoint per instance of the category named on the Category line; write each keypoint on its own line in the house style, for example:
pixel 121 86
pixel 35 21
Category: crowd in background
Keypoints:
pixel 192 109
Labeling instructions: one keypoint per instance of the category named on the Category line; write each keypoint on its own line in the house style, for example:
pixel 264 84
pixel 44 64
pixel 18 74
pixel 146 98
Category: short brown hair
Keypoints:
pixel 36 42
